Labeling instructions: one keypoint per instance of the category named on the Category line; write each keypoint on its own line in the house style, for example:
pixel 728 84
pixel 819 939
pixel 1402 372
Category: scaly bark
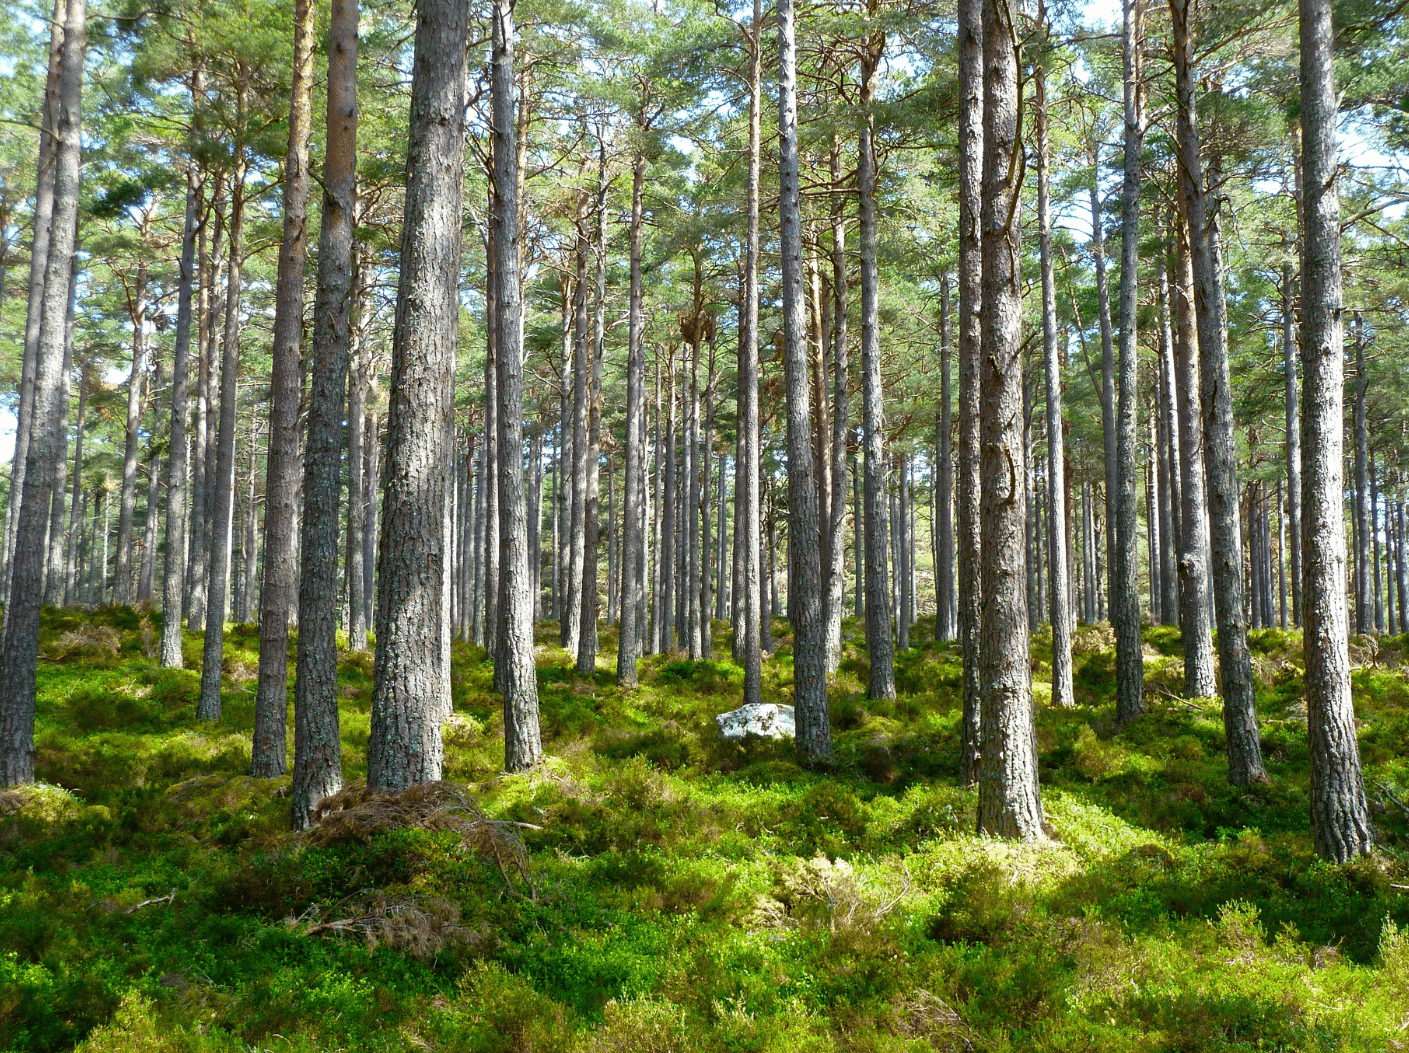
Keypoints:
pixel 405 746
pixel 271 703
pixel 1239 699
pixel 971 133
pixel 1125 568
pixel 1009 803
pixel 879 644
pixel 1059 606
pixel 1340 821
pixel 317 747
pixel 19 647
pixel 814 733
pixel 522 746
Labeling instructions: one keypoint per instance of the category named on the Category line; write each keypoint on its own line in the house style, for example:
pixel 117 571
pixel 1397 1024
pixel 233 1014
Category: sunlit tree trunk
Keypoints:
pixel 218 550
pixel 1239 699
pixel 971 133
pixel 19 646
pixel 276 598
pixel 1009 804
pixel 522 746
pixel 1340 823
pixel 1059 606
pixel 317 747
pixel 1125 568
pixel 814 734
pixel 407 677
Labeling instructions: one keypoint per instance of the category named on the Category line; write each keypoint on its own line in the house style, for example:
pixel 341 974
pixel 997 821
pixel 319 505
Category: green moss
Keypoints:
pixel 692 894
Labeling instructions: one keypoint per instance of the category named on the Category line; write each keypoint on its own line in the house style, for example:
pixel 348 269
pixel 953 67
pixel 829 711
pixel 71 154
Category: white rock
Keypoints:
pixel 767 720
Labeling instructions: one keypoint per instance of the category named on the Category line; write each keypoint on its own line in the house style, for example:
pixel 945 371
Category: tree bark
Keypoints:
pixel 1364 619
pixel 41 226
pixel 1195 611
pixel 946 599
pixel 359 486
pixel 841 412
pixel 127 507
pixel 317 747
pixel 1108 436
pixel 1009 803
pixel 1293 438
pixel 404 746
pixel 19 647
pixel 522 746
pixel 218 552
pixel 591 497
pixel 971 146
pixel 1239 699
pixel 1125 591
pixel 746 466
pixel 208 268
pixel 267 757
pixel 879 643
pixel 814 733
pixel 55 574
pixel 1340 823
pixel 75 518
pixel 1059 606
pixel 572 615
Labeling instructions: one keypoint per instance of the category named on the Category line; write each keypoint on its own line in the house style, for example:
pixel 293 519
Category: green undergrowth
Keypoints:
pixel 675 893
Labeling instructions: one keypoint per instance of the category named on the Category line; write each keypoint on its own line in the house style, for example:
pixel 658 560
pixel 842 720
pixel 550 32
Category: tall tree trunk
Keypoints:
pixel 1239 700
pixel 1108 437
pixel 1125 568
pixel 572 614
pixel 946 600
pixel 208 256
pixel 1195 610
pixel 669 492
pixel 1293 438
pixel 249 548
pixel 317 747
pixel 1168 442
pixel 879 646
pixel 591 498
pixel 1059 607
pixel 747 464
pixel 1364 619
pixel 137 307
pixel 75 518
pixel 706 455
pixel 971 138
pixel 835 570
pixel 407 676
pixel 522 746
pixel 19 651
pixel 814 733
pixel 55 571
pixel 1340 823
pixel 1009 802
pixel 220 508
pixel 276 598
pixel 41 227
pixel 373 450
pixel 491 577
pixel 359 485
pixel 150 522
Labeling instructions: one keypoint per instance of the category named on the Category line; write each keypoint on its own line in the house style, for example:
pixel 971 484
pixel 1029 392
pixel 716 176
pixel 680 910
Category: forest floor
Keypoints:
pixel 675 893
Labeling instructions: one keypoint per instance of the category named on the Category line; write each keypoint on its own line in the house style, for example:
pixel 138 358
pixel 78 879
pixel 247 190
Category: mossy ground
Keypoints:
pixel 690 895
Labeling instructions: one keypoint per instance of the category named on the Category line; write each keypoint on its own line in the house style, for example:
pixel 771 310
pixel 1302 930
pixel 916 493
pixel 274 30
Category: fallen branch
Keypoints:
pixel 1392 799
pixel 152 902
